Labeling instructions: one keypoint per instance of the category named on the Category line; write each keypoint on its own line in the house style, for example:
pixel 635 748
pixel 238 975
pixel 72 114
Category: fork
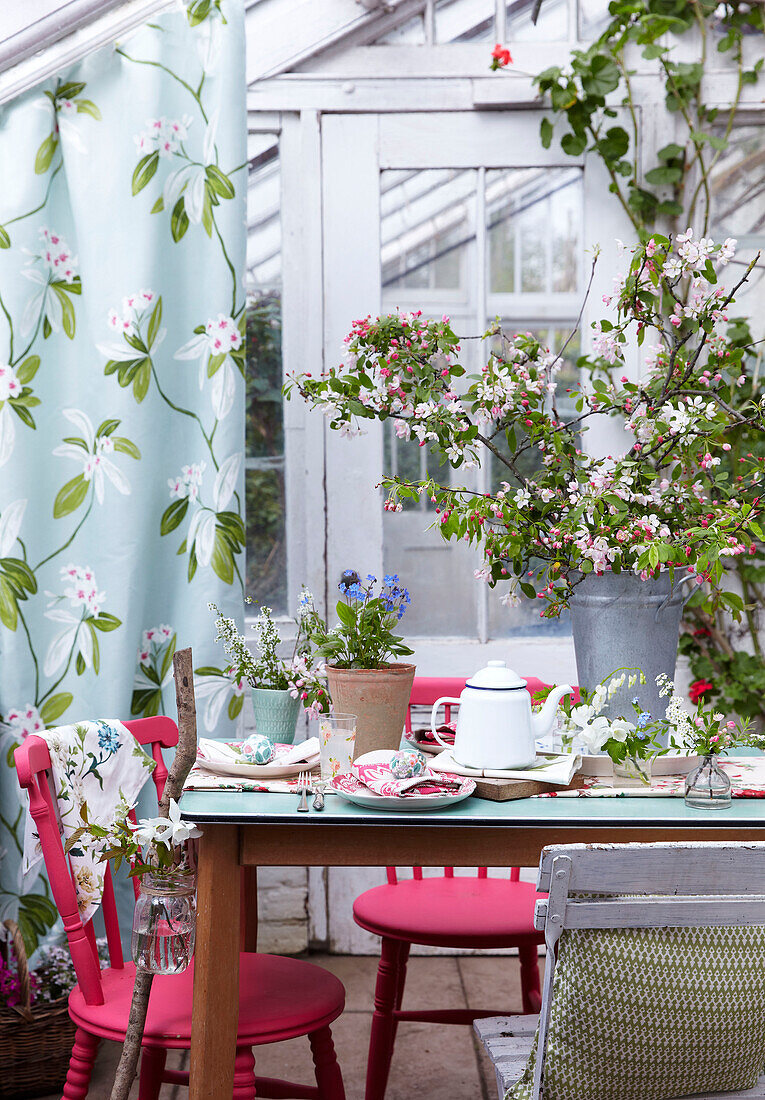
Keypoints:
pixel 303 785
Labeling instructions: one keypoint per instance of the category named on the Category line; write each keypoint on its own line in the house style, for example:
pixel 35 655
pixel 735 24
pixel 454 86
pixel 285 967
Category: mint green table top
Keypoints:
pixel 252 807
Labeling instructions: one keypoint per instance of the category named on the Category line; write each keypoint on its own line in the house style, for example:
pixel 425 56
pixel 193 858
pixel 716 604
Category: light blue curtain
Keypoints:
pixel 122 314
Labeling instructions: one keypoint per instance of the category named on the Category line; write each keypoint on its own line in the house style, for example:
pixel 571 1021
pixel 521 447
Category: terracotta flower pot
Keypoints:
pixel 378 697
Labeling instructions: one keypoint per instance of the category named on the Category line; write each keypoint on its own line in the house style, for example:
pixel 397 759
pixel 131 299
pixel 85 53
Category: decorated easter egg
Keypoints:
pixel 407 765
pixel 257 749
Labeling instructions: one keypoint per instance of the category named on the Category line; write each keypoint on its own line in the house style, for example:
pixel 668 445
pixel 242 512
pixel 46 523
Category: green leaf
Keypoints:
pixel 126 446
pixel 47 330
pixel 45 154
pixel 222 560
pixel 88 107
pixel 572 145
pixel 235 704
pixel 142 381
pixel 207 214
pixel 220 182
pixel 144 170
pixel 28 369
pixel 9 612
pixel 155 321
pixel 192 565
pixel 345 613
pixel 67 309
pixel 671 152
pixel 36 915
pixel 167 660
pixel 5 240
pixel 158 206
pixel 173 516
pixel 23 414
pixel 106 427
pixel 179 221
pixel 670 209
pixel 653 50
pixel 70 496
pixel 602 78
pixel 666 174
pixel 55 706
pixel 106 622
pixel 546 132
pixel 214 363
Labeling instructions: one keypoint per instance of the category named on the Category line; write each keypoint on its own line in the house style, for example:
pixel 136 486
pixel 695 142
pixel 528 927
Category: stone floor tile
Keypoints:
pixel 430 982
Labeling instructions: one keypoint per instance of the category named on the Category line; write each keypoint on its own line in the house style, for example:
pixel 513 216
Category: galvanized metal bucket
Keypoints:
pixel 622 621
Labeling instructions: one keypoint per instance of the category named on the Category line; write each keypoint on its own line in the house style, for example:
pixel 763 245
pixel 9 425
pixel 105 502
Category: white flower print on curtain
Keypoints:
pixel 122 209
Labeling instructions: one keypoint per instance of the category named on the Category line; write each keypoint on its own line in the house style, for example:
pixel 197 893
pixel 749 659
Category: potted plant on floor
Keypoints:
pixel 362 679
pixel 616 531
pixel 279 686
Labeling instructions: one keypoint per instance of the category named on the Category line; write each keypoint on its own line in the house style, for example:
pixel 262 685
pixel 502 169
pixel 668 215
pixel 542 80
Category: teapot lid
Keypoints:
pixel 496 676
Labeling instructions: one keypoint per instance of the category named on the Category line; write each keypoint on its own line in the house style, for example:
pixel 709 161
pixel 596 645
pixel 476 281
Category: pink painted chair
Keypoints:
pixel 445 911
pixel 279 998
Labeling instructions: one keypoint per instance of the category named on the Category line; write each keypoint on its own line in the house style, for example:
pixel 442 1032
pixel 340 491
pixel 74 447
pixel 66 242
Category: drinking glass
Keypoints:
pixel 337 740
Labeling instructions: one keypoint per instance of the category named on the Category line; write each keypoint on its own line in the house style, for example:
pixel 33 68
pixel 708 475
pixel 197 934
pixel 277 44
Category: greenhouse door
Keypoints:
pixel 459 213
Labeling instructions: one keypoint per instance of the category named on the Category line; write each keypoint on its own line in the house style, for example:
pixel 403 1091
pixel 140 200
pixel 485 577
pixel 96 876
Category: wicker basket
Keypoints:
pixel 35 1043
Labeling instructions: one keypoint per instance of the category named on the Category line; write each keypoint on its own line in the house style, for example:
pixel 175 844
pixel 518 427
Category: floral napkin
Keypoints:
pixel 225 752
pixel 100 765
pixel 381 780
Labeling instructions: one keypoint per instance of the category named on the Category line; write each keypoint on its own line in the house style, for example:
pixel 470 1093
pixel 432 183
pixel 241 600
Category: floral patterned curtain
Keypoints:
pixel 122 213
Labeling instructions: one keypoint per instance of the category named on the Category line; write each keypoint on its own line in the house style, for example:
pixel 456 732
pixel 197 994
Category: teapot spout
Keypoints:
pixel 542 723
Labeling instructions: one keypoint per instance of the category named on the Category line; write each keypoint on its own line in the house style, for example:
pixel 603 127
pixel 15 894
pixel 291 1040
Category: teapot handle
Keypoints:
pixel 434 711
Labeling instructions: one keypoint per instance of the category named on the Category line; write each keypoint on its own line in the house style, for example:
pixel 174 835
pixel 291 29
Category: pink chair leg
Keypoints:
pixel 152 1068
pixel 383 1023
pixel 244 1074
pixel 80 1065
pixel 329 1079
pixel 400 982
pixel 530 989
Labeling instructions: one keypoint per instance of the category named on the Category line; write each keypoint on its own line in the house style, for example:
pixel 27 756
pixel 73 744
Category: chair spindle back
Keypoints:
pixel 33 767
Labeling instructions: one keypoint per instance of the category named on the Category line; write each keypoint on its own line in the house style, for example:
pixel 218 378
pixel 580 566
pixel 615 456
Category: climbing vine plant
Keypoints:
pixel 596 110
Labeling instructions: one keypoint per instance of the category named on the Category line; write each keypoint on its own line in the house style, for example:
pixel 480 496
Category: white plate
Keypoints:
pixel 671 764
pixel 258 771
pixel 370 801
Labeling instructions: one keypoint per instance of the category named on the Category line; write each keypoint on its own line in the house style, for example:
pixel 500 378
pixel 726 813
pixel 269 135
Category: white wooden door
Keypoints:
pixel 460 213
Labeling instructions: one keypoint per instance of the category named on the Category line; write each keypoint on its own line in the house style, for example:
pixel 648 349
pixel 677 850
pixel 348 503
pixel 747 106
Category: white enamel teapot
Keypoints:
pixel 495 726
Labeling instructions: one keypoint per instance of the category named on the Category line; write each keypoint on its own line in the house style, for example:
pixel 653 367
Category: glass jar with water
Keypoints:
pixel 164 922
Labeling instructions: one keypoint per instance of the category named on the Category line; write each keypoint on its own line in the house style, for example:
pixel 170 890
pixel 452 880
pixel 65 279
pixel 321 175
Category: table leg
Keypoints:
pixel 216 966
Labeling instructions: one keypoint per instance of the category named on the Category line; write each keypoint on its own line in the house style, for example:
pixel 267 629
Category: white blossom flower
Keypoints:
pixel 96 466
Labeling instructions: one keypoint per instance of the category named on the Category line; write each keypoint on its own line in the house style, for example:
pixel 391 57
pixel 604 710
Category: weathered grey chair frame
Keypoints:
pixel 643 886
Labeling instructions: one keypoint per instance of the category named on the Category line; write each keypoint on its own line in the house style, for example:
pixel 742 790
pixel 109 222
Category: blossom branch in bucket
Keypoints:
pixel 665 503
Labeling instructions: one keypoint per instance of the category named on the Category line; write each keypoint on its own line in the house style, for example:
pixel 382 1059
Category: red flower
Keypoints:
pixel 500 57
pixel 699 688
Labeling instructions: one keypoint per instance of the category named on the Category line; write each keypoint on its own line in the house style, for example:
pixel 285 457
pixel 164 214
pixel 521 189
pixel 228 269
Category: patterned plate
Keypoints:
pixel 272 770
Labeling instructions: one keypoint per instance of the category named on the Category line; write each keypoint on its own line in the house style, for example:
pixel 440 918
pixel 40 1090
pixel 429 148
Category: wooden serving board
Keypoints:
pixel 505 790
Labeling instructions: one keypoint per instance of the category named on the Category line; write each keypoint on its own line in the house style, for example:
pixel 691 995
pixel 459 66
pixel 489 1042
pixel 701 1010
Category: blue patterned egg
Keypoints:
pixel 257 749
pixel 407 765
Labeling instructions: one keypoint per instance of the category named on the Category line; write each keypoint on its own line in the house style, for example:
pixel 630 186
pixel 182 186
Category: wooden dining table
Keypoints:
pixel 249 829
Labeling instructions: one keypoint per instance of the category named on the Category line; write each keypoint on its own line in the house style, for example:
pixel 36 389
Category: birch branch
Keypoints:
pixel 183 670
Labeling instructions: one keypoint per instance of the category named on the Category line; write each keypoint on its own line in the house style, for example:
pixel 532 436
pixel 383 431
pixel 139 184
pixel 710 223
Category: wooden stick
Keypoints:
pixel 185 755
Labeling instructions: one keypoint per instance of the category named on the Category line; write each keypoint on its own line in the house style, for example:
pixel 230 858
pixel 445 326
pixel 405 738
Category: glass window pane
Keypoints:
pixel 264 429
pixel 552 23
pixel 506 621
pixel 593 19
pixel 428 262
pixel 465 21
pixel 738 210
pixel 533 222
pixel 426 228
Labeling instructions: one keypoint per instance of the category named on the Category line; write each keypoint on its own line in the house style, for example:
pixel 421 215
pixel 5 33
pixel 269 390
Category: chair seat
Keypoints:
pixel 279 998
pixel 463 911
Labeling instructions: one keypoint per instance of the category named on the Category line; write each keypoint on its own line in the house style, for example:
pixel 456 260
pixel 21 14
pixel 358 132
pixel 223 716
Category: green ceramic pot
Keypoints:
pixel 275 714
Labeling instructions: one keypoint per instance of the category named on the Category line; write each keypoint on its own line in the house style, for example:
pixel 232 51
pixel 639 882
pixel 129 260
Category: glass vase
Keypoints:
pixel 164 922
pixel 708 787
pixel 632 772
